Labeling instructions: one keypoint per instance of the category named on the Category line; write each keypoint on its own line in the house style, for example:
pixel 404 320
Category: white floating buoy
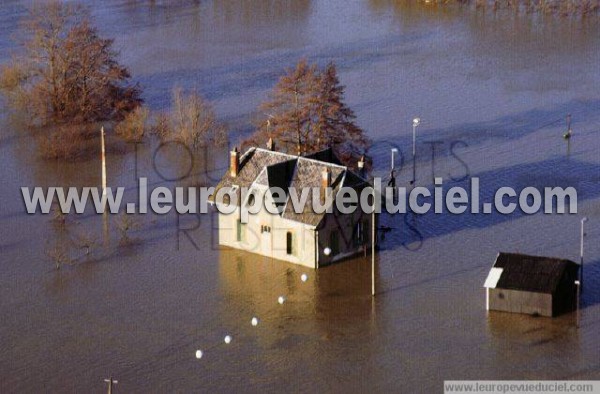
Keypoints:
pixel 199 354
pixel 227 339
pixel 303 277
pixel 254 321
pixel 281 300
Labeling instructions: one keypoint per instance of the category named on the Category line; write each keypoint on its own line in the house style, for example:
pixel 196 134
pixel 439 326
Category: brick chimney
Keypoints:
pixel 325 183
pixel 234 162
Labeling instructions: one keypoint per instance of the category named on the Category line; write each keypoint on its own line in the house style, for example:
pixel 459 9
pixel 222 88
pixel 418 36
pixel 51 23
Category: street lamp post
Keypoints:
pixel 568 134
pixel 416 122
pixel 394 150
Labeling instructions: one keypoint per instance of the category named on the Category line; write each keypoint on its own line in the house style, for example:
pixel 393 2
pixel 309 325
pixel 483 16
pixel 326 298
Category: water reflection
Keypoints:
pixel 414 12
pixel 521 344
pixel 228 12
pixel 174 162
pixel 511 38
pixel 259 13
pixel 333 297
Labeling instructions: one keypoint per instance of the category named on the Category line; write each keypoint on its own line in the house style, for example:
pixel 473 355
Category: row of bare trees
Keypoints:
pixel 554 7
pixel 68 79
pixel 305 113
pixel 191 120
pixel 71 244
pixel 559 7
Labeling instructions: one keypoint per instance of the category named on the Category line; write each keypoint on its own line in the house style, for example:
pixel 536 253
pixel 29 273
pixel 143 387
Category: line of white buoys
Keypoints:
pixel 254 321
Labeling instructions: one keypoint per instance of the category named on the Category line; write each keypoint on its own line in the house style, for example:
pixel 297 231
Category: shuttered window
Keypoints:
pixel 289 243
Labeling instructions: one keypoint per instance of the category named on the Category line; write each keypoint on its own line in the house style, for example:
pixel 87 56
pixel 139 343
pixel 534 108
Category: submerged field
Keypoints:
pixel 494 89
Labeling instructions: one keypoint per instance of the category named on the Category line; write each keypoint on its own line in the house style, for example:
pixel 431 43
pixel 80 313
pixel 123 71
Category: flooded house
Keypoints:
pixel 306 237
pixel 532 285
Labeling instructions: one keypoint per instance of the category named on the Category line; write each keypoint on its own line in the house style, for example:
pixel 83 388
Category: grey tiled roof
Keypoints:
pixel 308 175
pixel 251 164
pixel 285 171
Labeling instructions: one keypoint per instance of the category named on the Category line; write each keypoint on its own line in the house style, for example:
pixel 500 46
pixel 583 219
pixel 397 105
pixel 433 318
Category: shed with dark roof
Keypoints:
pixel 532 285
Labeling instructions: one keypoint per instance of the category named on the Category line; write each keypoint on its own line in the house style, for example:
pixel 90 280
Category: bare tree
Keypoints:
pixel 334 121
pixel 67 71
pixel 133 127
pixel 58 254
pixel 290 110
pixel 59 218
pixel 307 113
pixel 191 120
pixel 125 224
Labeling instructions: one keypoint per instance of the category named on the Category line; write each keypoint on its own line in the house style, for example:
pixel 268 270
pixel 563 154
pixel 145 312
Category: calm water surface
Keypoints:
pixel 493 88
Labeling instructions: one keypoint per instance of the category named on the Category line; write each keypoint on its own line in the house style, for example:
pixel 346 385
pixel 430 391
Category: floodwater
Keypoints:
pixel 491 90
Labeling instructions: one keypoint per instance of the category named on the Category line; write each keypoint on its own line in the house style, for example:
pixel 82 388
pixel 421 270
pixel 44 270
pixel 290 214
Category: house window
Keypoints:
pixel 289 243
pixel 240 231
pixel 227 196
pixel 334 243
pixel 251 199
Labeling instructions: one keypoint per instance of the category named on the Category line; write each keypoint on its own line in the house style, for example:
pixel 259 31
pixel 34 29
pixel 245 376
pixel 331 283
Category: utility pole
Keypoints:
pixel 578 286
pixel 581 251
pixel 110 382
pixel 103 166
pixel 104 214
pixel 373 253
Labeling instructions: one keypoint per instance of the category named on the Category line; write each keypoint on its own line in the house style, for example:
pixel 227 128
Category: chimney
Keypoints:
pixel 325 183
pixel 234 162
pixel 271 144
pixel 361 166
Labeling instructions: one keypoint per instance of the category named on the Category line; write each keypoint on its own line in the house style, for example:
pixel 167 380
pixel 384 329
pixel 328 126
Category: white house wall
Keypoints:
pixel 303 235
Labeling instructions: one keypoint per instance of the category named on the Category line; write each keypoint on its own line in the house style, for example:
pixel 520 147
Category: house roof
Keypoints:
pixel 538 274
pixel 326 155
pixel 276 169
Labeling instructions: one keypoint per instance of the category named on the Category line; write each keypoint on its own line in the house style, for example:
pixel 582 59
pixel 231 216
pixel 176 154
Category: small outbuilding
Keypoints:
pixel 532 285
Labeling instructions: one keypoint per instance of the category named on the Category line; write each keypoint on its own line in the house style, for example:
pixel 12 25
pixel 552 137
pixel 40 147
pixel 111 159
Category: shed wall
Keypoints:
pixel 520 302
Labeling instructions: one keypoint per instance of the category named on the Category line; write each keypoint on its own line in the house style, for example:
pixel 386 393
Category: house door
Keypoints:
pixel 266 240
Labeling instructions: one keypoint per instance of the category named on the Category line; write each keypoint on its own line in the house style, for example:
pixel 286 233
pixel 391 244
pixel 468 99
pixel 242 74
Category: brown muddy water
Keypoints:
pixel 494 89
